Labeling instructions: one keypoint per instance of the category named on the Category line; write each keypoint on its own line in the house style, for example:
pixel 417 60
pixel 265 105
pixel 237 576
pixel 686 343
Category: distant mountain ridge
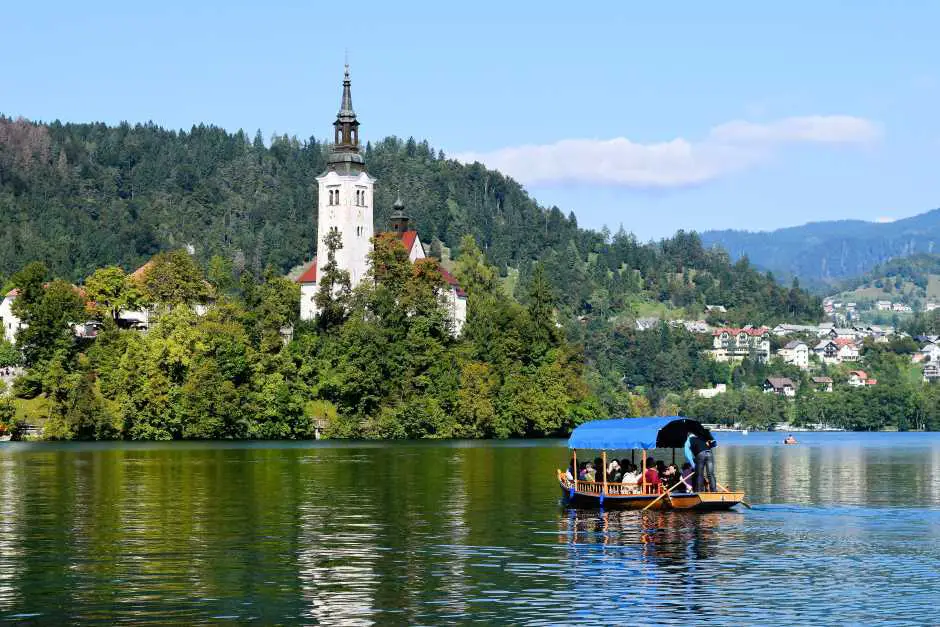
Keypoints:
pixel 833 250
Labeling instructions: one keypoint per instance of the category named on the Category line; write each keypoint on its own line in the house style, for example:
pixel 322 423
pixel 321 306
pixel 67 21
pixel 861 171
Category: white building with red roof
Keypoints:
pixel 731 344
pixel 345 195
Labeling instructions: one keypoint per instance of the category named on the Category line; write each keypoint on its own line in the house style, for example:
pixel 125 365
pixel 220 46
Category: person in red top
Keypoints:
pixel 651 476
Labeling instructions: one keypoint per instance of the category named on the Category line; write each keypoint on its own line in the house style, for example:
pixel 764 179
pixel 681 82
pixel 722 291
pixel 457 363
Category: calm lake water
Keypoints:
pixel 845 529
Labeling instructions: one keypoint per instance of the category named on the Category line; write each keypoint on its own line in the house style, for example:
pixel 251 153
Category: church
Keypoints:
pixel 345 197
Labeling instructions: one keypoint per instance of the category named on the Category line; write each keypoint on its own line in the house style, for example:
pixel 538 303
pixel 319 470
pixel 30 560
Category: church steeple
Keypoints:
pixel 345 157
pixel 399 219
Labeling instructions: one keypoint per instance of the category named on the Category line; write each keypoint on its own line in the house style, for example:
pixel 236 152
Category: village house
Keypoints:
pixel 822 384
pixel 345 197
pixel 782 330
pixel 847 350
pixel 859 378
pixel 827 352
pixel 783 386
pixel 11 323
pixel 795 353
pixel 931 372
pixel 931 306
pixel 8 320
pixel 883 305
pixel 844 333
pixel 929 353
pixel 734 344
pixel 720 388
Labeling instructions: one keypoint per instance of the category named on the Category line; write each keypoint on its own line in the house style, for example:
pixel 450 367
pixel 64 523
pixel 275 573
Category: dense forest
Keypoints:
pixel 84 197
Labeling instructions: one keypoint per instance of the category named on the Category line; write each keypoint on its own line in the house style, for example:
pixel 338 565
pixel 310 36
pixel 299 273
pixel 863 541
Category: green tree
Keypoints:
pixel 174 278
pixel 112 291
pixel 333 285
pixel 48 322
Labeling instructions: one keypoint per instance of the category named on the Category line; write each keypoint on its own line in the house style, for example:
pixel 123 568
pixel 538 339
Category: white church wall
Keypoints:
pixel 352 220
pixel 308 309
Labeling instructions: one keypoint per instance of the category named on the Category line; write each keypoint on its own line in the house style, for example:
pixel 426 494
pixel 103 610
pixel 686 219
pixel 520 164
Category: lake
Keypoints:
pixel 845 529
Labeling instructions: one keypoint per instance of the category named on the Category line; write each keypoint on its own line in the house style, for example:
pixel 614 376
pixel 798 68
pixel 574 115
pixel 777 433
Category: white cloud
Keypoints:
pixel 727 148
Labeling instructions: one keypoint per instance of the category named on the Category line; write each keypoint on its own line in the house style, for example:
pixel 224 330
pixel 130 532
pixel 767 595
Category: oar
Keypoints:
pixel 666 493
pixel 743 502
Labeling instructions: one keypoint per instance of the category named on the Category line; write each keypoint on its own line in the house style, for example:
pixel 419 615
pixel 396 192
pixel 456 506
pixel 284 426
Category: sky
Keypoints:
pixel 654 116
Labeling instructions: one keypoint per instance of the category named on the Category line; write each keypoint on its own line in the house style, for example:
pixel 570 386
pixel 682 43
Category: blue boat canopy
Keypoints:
pixel 636 433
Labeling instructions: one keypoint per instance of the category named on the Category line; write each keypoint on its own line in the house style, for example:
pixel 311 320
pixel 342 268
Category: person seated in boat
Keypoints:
pixel 599 469
pixel 613 471
pixel 630 478
pixel 569 473
pixel 651 476
pixel 583 471
pixel 590 472
pixel 669 476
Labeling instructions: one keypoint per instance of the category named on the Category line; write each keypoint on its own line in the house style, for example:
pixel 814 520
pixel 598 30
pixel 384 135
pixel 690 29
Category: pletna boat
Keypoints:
pixel 643 434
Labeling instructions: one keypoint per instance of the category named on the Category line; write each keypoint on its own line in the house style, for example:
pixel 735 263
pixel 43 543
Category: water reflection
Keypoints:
pixel 423 534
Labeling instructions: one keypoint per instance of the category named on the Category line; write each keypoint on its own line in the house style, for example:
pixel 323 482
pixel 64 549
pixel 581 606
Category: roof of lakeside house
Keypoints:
pixel 843 341
pixel 13 293
pixel 793 344
pixel 452 281
pixel 822 379
pixel 780 382
pixel 139 273
pixel 861 374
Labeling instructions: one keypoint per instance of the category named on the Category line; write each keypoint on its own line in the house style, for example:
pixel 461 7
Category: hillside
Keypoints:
pixel 81 196
pixel 913 281
pixel 828 251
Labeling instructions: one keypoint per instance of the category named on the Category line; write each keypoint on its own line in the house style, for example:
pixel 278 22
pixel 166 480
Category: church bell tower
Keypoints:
pixel 345 194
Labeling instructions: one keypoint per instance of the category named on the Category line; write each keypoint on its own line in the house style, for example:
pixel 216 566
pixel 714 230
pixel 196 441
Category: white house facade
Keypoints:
pixel 8 320
pixel 795 353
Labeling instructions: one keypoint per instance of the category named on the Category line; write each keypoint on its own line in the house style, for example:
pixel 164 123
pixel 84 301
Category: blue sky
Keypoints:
pixel 657 116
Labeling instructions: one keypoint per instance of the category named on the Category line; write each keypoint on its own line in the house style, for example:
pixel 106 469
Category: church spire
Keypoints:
pixel 345 157
pixel 345 107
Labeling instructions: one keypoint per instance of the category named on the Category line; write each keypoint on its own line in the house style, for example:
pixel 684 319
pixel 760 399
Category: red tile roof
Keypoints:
pixel 861 374
pixel 408 239
pixel 452 281
pixel 310 274
pixel 844 341
pixel 139 273
pixel 13 293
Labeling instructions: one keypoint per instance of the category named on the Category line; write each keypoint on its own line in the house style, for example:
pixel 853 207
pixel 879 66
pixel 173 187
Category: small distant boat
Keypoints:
pixel 6 437
pixel 638 434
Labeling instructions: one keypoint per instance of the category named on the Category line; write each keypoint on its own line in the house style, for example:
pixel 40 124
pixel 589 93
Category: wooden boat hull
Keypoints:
pixel 705 501
pixel 696 501
pixel 631 501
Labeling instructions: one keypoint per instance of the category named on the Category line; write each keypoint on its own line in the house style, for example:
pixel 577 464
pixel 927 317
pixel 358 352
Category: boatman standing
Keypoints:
pixel 698 451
